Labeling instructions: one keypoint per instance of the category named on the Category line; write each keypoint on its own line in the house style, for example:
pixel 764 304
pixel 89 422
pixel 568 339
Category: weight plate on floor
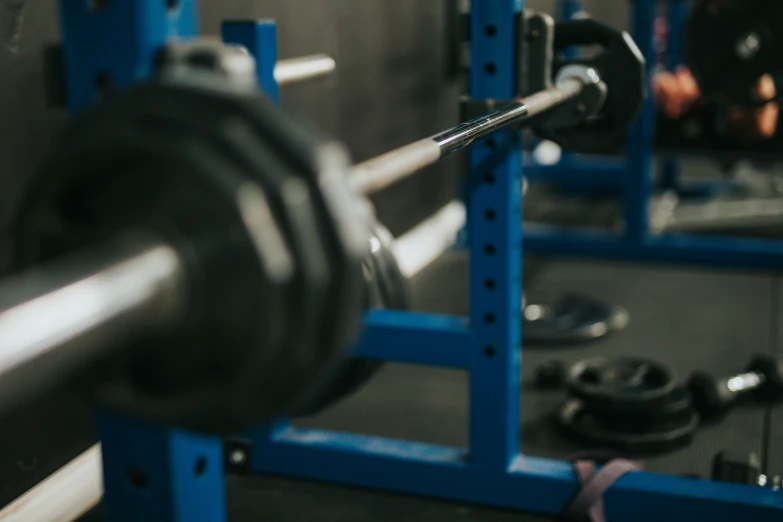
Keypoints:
pixel 571 318
pixel 621 383
pixel 576 420
pixel 677 404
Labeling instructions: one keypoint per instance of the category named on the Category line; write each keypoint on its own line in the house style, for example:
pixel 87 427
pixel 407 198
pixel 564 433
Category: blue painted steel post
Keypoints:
pixel 154 474
pixel 569 10
pixel 639 189
pixel 677 12
pixel 115 46
pixel 150 473
pixel 260 39
pixel 494 223
pixel 677 16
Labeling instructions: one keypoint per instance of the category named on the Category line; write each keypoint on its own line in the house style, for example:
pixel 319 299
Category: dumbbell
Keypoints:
pixel 742 467
pixel 712 396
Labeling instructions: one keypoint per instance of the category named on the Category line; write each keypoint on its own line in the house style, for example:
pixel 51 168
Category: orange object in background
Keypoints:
pixel 677 93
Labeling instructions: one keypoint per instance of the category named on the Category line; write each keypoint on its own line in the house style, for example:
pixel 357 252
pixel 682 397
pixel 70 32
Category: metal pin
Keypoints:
pixel 305 68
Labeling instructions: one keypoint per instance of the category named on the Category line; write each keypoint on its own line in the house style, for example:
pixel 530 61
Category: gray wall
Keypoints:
pixel 390 87
pixel 26 127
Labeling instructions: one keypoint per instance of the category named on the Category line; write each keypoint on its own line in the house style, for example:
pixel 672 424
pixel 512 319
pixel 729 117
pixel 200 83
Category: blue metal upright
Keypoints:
pixel 260 39
pixel 676 22
pixel 491 346
pixel 110 44
pixel 639 153
pixel 568 10
pixel 677 13
pixel 494 224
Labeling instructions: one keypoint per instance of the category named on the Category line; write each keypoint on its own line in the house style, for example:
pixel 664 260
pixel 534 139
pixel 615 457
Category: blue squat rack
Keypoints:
pixel 632 178
pixel 158 474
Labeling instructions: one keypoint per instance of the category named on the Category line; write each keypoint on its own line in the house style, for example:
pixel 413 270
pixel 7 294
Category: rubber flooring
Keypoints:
pixel 687 319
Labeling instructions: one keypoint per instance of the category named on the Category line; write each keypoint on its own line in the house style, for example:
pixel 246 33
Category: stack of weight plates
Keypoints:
pixel 628 404
pixel 569 319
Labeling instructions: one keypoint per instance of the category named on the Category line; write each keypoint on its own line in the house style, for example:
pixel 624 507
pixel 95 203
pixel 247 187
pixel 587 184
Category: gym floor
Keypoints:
pixel 688 319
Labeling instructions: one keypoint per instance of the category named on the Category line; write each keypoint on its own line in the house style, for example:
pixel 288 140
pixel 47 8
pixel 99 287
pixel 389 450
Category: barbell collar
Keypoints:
pixel 387 169
pixel 61 318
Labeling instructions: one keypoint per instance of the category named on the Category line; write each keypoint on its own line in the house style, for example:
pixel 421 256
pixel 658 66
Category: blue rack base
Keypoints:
pixel 529 484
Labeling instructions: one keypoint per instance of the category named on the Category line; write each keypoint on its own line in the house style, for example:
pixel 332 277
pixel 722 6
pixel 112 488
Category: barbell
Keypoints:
pixel 197 256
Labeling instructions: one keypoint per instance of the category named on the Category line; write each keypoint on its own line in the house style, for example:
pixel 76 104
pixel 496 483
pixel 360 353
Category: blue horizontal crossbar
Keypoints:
pixel 416 338
pixel 530 484
pixel 579 173
pixel 714 251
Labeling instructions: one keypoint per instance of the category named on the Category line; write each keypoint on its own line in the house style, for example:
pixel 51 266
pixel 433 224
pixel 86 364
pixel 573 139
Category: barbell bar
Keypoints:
pixel 77 487
pixel 387 169
pixel 52 318
pixel 236 59
pixel 296 70
pixel 133 286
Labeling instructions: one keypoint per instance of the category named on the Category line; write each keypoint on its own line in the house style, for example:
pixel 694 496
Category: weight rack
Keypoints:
pixel 632 178
pixel 157 474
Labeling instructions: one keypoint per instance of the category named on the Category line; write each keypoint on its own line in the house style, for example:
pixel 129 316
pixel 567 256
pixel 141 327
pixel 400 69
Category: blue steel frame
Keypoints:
pixel 492 471
pixel 156 474
pixel 632 176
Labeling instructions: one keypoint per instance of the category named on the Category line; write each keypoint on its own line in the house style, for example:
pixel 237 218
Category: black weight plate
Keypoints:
pixel 342 224
pixel 677 404
pixel 713 35
pixel 621 383
pixel 386 289
pixel 621 67
pixel 572 318
pixel 129 164
pixel 577 422
pixel 291 203
pixel 159 384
